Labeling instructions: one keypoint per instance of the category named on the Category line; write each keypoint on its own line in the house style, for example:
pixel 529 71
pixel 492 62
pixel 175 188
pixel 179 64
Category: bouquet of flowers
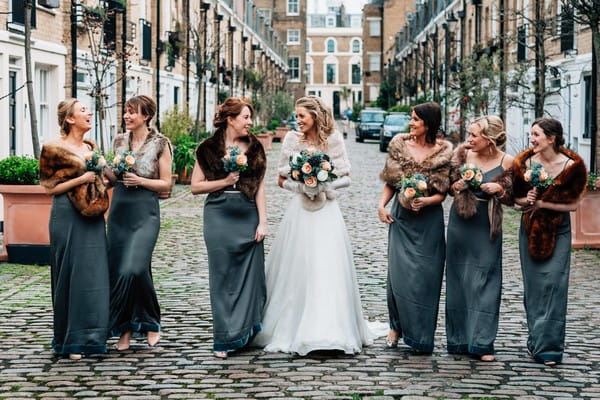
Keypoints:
pixel 123 162
pixel 412 187
pixel 234 160
pixel 538 177
pixel 472 175
pixel 312 168
pixel 94 161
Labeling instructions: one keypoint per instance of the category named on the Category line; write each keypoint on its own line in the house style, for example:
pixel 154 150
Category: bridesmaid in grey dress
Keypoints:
pixel 134 223
pixel 545 235
pixel 235 224
pixel 474 245
pixel 416 248
pixel 79 265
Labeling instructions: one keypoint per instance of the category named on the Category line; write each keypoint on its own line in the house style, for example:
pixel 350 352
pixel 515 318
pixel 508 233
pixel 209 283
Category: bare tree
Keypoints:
pixel 32 106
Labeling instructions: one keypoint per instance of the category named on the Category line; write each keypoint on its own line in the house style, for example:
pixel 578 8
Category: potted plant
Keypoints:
pixel 175 124
pixel 184 158
pixel 585 221
pixel 26 212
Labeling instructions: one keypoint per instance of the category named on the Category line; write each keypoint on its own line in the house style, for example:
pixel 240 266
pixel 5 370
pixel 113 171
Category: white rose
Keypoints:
pixel 322 175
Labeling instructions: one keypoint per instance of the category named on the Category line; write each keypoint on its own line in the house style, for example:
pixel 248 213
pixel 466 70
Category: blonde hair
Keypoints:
pixel 492 129
pixel 66 109
pixel 321 113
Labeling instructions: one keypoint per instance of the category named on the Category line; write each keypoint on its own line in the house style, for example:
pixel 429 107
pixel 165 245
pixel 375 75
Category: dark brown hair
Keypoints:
pixel 231 107
pixel 431 114
pixel 144 104
pixel 65 110
pixel 551 127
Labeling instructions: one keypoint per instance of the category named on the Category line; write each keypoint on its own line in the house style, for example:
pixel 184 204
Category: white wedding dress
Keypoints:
pixel 313 301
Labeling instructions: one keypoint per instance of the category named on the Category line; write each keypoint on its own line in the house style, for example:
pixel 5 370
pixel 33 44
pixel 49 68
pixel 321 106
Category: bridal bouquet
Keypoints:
pixel 123 162
pixel 538 177
pixel 312 168
pixel 472 175
pixel 234 160
pixel 94 161
pixel 412 187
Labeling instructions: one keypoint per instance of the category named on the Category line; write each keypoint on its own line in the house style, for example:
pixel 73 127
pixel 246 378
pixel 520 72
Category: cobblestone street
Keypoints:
pixel 182 366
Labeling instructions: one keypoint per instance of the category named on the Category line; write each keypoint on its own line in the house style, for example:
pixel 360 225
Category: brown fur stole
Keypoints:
pixel 210 153
pixel 465 202
pixel 435 167
pixel 58 165
pixel 541 224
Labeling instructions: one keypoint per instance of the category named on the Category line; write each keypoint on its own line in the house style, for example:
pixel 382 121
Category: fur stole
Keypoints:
pixel 435 167
pixel 147 156
pixel 336 150
pixel 210 153
pixel 58 165
pixel 541 225
pixel 465 202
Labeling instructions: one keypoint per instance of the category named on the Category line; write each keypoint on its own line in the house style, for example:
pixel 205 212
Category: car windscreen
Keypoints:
pixel 397 120
pixel 372 117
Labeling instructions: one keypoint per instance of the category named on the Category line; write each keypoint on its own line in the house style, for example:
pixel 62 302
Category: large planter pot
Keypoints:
pixel 265 139
pixel 585 221
pixel 26 217
pixel 184 176
pixel 280 133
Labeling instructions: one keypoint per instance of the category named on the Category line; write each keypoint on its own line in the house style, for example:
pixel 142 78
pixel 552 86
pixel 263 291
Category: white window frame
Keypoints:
pixel 309 73
pixel 43 77
pixel 293 7
pixel 352 45
pixel 335 72
pixel 293 36
pixel 330 21
pixel 308 45
pixel 297 69
pixel 375 27
pixel 327 41
pixel 374 62
pixel 266 14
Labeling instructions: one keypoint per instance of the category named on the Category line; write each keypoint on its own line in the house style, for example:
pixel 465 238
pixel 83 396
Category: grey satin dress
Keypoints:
pixel 546 285
pixel 236 267
pixel 473 279
pixel 80 285
pixel 416 253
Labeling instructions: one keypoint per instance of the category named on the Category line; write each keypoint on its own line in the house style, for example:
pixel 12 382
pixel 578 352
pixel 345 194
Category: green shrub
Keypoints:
pixel 19 170
pixel 176 123
pixel 400 108
pixel 273 125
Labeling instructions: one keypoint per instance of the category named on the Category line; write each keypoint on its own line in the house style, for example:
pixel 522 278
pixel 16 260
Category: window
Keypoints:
pixel 374 62
pixel 294 69
pixel 355 21
pixel 266 14
pixel 17 13
pixel 293 7
pixel 43 107
pixel 587 111
pixel 146 40
pixel 293 36
pixel 567 30
pixel 308 46
pixel 330 73
pixel 521 42
pixel 375 28
pixel 330 46
pixel 355 74
pixel 309 70
pixel 330 22
pixel 356 46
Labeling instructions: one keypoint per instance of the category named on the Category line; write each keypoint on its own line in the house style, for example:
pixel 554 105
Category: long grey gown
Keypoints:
pixel 80 285
pixel 546 285
pixel 416 254
pixel 473 279
pixel 236 269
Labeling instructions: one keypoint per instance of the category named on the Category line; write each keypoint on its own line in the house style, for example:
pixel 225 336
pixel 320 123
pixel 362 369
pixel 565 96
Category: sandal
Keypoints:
pixel 220 354
pixel 391 343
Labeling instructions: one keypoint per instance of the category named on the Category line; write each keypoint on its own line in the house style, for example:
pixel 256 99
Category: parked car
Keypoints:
pixel 394 123
pixel 369 123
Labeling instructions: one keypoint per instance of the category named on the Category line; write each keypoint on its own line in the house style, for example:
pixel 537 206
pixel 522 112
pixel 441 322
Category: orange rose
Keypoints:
pixel 527 176
pixel 468 175
pixel 543 175
pixel 295 174
pixel 311 181
pixel 117 159
pixel 409 193
pixel 306 168
pixel 326 165
pixel 479 177
pixel 130 160
pixel 422 185
pixel 241 159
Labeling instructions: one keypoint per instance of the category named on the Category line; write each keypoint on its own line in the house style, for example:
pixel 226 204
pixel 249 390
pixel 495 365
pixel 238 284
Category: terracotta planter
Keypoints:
pixel 184 176
pixel 585 222
pixel 280 133
pixel 26 217
pixel 265 139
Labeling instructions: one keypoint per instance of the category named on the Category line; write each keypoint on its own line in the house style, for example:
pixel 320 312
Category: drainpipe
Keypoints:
pixel 159 51
pixel 74 49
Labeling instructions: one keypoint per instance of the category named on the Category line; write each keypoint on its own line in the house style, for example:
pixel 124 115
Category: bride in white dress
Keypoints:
pixel 313 301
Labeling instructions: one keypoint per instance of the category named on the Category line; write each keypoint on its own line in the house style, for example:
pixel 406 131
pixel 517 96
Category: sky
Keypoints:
pixel 320 6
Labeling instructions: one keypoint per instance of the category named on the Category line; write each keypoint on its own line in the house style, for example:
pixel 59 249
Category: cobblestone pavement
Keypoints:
pixel 182 367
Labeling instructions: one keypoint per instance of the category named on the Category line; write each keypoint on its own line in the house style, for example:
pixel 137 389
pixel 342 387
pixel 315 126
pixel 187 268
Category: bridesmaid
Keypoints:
pixel 474 250
pixel 416 248
pixel 133 225
pixel 79 265
pixel 545 235
pixel 235 224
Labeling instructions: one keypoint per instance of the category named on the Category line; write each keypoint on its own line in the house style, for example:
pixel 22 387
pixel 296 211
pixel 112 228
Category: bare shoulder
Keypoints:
pixel 507 162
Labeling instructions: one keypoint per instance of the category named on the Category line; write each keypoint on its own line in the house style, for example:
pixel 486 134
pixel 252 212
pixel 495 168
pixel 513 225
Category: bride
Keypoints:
pixel 312 293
